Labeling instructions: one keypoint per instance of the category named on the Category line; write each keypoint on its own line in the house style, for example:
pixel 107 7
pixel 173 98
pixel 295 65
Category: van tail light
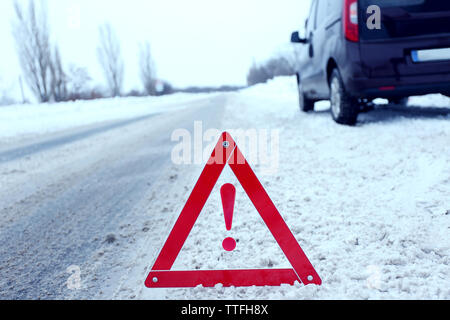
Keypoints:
pixel 351 20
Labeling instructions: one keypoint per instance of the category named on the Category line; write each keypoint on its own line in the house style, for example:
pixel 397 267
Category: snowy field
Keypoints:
pixel 369 205
pixel 31 119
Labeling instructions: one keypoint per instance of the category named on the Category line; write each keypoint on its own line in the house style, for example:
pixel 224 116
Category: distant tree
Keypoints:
pixel 280 66
pixel 147 68
pixel 257 74
pixel 31 34
pixel 274 67
pixel 59 80
pixel 162 87
pixel 134 93
pixel 166 88
pixel 110 58
pixel 78 82
pixel 225 88
pixel 96 93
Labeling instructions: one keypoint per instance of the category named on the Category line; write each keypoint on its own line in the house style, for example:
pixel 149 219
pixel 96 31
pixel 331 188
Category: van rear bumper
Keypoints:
pixel 372 88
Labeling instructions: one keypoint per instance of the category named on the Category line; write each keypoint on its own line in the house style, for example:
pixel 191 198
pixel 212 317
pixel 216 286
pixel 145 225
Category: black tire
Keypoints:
pixel 344 108
pixel 305 104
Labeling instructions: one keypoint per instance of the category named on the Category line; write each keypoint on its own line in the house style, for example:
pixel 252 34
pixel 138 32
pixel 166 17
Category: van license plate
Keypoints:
pixel 431 55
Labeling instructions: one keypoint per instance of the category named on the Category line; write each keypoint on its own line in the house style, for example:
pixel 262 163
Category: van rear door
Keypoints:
pixel 414 38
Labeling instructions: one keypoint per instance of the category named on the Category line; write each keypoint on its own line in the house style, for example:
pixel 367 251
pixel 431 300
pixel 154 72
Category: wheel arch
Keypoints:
pixel 331 65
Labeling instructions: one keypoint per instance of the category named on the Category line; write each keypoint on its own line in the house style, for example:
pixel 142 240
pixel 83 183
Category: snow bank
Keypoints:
pixel 19 120
pixel 368 204
pixel 431 100
pixel 285 88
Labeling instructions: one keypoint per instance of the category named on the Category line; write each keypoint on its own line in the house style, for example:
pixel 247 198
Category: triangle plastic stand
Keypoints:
pixel 227 152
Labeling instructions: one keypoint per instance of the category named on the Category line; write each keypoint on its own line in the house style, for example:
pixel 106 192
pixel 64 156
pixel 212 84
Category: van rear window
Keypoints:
pixel 406 18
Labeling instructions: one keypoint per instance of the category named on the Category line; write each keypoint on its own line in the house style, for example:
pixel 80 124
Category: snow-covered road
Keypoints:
pixel 74 198
pixel 368 204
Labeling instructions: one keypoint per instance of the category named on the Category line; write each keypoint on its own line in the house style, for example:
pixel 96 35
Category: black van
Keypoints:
pixel 357 50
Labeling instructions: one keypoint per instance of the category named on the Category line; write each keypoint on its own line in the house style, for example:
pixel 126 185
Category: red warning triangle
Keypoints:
pixel 227 152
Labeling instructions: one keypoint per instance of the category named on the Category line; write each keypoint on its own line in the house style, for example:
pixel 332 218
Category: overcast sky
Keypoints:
pixel 196 42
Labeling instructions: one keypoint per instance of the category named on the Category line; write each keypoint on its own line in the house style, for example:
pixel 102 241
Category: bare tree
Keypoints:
pixel 147 67
pixel 110 57
pixel 274 67
pixel 31 33
pixel 59 78
pixel 79 80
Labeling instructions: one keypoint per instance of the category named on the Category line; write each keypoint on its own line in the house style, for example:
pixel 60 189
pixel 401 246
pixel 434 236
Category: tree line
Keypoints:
pixel 49 80
pixel 43 70
pixel 281 65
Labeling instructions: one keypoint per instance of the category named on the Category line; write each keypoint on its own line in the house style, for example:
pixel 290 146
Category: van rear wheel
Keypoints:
pixel 344 108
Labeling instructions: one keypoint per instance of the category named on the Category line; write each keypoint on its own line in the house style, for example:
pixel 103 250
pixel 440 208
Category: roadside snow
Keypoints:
pixel 368 204
pixel 431 100
pixel 18 120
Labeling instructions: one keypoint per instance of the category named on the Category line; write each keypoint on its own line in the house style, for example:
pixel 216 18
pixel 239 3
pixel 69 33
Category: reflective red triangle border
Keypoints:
pixel 227 152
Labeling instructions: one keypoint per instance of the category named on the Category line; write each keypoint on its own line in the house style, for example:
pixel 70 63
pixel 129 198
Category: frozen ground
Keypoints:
pixel 29 120
pixel 369 205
